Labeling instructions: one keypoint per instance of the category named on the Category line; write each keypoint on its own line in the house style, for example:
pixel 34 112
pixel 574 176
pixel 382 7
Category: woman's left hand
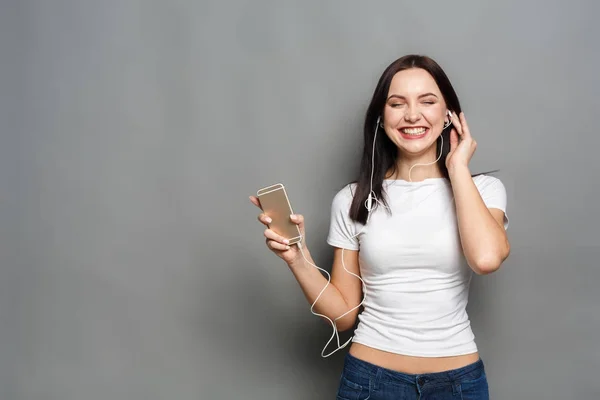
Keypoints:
pixel 462 145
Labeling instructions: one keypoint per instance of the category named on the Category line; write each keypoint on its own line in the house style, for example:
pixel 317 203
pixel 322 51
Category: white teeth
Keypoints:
pixel 414 131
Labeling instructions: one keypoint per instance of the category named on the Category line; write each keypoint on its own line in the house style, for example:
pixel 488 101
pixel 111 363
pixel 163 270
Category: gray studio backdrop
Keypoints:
pixel 133 266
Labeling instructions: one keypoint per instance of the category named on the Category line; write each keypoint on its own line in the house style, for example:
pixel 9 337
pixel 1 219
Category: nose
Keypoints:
pixel 412 114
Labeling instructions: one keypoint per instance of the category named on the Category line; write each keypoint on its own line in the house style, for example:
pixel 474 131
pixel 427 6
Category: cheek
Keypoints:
pixel 434 115
pixel 393 115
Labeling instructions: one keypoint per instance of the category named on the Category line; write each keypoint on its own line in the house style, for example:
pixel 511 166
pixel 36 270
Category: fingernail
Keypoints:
pixel 286 241
pixel 269 220
pixel 293 216
pixel 287 247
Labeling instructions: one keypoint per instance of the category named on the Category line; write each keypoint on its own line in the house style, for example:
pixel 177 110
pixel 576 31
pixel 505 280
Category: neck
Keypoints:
pixel 419 172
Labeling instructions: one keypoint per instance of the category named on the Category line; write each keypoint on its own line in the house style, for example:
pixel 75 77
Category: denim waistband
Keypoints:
pixel 364 367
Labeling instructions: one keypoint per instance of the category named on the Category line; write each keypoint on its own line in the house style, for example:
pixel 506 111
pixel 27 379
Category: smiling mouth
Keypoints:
pixel 413 133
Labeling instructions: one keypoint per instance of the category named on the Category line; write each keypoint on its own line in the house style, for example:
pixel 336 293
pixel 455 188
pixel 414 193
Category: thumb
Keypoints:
pixel 298 220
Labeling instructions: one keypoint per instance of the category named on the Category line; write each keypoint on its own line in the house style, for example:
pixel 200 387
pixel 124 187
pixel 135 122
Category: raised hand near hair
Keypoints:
pixel 462 144
pixel 276 243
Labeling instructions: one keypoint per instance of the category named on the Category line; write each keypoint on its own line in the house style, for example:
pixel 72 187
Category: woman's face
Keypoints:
pixel 415 112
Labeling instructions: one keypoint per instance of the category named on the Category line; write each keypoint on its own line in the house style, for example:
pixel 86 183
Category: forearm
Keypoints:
pixel 483 239
pixel 331 303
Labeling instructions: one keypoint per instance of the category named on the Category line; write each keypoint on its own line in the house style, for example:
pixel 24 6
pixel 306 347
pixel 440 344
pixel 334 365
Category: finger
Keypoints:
pixel 465 127
pixel 453 139
pixel 255 201
pixel 457 124
pixel 298 219
pixel 277 246
pixel 269 234
pixel 265 219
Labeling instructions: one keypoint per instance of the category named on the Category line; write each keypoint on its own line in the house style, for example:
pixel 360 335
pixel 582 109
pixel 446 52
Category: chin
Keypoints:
pixel 416 147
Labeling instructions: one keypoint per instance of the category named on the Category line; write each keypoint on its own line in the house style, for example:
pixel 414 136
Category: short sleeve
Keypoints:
pixel 493 193
pixel 342 230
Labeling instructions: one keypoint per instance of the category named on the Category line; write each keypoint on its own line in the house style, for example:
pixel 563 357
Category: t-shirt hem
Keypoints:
pixel 463 351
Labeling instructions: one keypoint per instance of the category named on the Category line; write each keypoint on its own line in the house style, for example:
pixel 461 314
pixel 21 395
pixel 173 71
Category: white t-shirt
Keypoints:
pixel 416 277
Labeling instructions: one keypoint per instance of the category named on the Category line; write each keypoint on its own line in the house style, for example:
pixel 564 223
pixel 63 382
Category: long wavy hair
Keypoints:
pixel 386 152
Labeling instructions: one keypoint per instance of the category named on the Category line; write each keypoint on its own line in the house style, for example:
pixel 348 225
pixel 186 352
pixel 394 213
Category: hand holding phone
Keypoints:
pixel 282 231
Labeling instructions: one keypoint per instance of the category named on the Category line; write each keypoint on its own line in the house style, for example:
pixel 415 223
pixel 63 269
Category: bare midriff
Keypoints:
pixel 410 364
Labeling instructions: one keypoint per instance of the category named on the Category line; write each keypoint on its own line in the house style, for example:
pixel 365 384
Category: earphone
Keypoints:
pixel 447 124
pixel 369 206
pixel 369 202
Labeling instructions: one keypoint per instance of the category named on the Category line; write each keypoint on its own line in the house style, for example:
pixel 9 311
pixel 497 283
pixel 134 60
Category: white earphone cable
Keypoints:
pixel 433 162
pixel 333 323
pixel 369 207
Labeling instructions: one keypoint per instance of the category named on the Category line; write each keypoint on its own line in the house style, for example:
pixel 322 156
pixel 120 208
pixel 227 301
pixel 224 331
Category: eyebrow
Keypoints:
pixel 402 97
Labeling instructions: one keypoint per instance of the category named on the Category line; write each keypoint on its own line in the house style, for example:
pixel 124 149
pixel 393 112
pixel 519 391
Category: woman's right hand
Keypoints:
pixel 276 243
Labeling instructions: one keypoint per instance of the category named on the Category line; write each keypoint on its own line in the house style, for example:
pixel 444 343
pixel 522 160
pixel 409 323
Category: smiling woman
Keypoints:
pixel 413 239
pixel 413 96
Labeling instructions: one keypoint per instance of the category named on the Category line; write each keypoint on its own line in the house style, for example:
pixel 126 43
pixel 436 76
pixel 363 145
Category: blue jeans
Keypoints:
pixel 361 380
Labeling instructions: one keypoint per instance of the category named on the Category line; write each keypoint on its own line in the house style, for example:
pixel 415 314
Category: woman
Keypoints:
pixel 414 227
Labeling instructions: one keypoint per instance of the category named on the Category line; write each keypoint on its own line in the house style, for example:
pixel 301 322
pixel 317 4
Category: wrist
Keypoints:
pixel 458 171
pixel 299 261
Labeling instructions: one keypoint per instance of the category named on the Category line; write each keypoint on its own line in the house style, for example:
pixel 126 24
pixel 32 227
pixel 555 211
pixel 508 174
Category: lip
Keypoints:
pixel 413 137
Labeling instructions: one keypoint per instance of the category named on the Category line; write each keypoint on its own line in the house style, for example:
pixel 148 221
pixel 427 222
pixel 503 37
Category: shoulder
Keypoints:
pixel 485 182
pixel 342 200
pixel 345 195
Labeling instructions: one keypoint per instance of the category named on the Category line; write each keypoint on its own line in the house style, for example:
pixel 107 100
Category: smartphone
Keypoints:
pixel 275 203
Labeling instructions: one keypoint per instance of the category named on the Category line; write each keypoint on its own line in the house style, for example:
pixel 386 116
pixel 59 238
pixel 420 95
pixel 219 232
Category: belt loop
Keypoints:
pixel 456 389
pixel 377 378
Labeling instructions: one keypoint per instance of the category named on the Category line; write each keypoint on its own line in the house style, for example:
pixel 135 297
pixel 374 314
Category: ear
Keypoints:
pixel 449 115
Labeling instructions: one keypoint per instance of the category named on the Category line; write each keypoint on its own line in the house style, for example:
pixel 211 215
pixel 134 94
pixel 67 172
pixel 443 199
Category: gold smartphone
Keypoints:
pixel 275 203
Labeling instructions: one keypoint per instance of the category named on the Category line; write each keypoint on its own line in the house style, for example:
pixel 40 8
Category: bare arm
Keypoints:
pixel 342 294
pixel 482 234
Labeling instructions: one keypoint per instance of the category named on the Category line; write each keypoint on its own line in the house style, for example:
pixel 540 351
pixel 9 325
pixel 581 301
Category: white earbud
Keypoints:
pixel 447 124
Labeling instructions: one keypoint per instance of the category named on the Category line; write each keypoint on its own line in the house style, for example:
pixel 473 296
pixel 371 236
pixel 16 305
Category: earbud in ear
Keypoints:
pixel 447 124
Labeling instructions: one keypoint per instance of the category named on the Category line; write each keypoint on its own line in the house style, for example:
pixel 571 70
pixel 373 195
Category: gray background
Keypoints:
pixel 133 266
